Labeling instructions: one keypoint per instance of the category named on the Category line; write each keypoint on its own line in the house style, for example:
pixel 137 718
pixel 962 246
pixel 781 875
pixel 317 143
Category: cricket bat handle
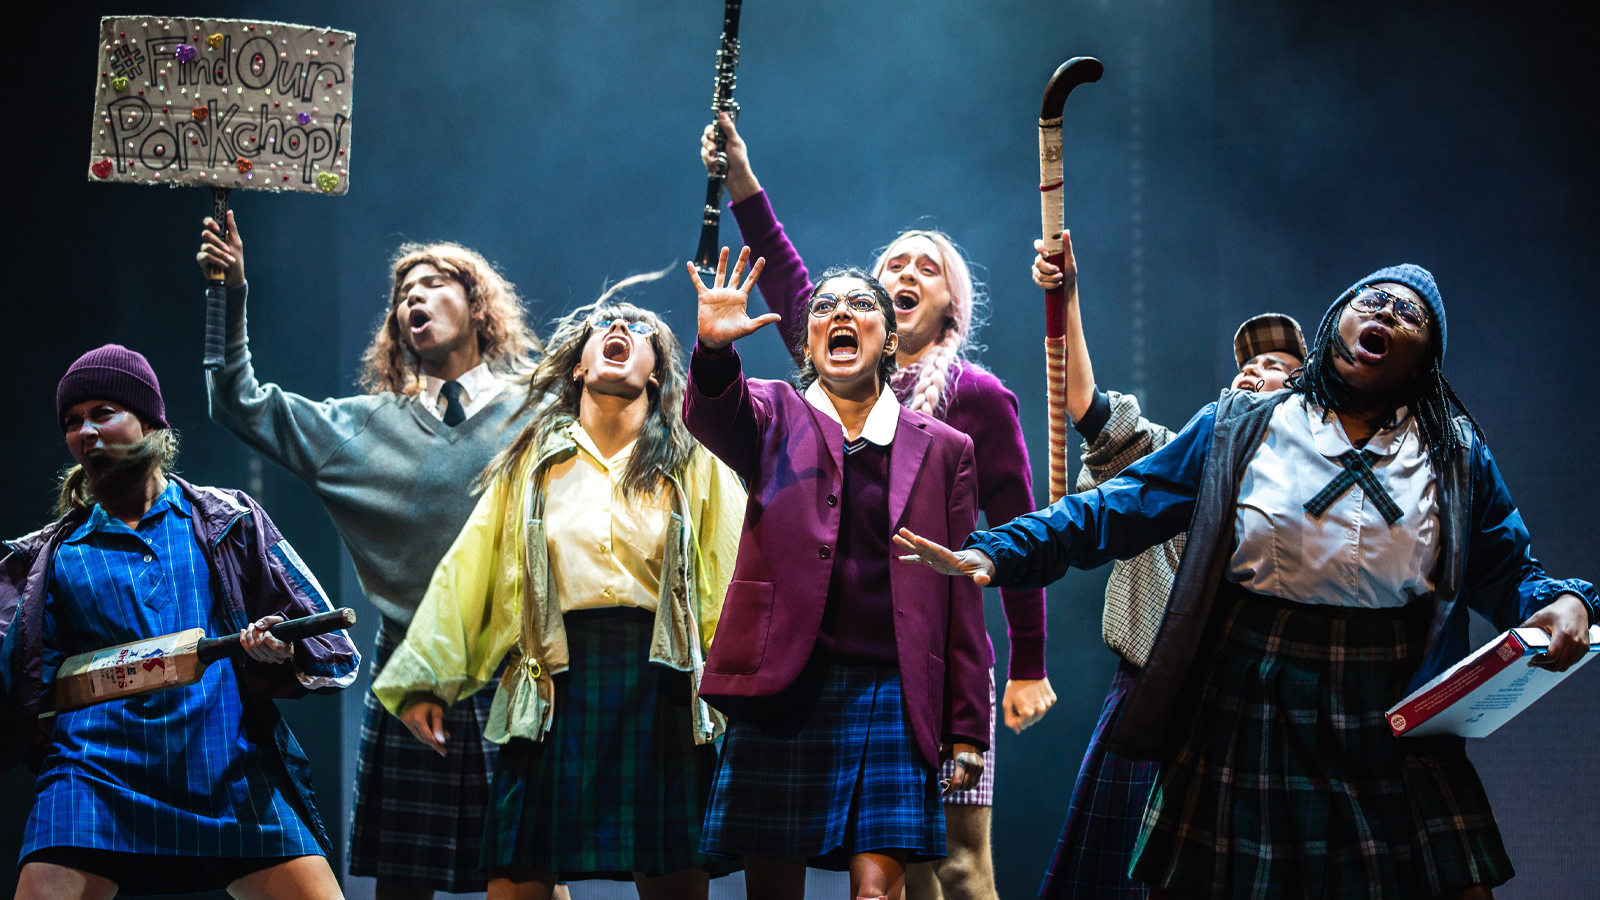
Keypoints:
pixel 213 649
pixel 216 290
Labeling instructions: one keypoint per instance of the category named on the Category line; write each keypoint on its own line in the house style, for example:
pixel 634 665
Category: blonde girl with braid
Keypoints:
pixel 938 310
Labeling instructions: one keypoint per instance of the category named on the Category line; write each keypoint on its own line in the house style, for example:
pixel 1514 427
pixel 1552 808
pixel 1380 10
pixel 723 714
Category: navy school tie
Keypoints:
pixel 454 413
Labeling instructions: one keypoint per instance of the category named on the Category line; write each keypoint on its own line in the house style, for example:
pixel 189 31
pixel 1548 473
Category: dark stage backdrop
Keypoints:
pixel 1237 157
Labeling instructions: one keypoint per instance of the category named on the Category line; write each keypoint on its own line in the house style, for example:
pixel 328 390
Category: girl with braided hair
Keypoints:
pixel 1337 533
pixel 938 310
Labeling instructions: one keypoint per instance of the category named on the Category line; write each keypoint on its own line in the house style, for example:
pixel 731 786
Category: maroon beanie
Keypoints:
pixel 114 373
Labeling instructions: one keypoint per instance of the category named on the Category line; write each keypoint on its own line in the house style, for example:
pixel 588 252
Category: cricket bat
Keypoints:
pixel 169 661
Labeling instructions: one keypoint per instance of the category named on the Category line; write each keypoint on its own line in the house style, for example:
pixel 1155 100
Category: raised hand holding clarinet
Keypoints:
pixel 723 304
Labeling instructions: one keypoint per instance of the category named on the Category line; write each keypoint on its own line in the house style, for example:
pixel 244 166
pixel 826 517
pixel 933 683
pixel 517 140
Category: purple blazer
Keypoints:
pixel 978 406
pixel 791 456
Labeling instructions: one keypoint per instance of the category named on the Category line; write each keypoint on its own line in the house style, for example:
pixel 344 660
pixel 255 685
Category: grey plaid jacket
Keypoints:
pixel 1136 594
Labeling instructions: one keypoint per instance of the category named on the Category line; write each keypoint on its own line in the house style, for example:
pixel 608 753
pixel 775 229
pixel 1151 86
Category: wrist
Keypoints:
pixel 742 186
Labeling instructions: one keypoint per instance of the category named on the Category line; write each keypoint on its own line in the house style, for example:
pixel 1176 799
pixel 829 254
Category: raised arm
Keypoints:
pixel 785 284
pixel 718 407
pixel 293 431
pixel 1080 368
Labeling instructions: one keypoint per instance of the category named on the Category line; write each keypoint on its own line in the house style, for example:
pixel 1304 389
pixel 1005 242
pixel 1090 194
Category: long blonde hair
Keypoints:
pixel 664 443
pixel 926 385
pixel 504 340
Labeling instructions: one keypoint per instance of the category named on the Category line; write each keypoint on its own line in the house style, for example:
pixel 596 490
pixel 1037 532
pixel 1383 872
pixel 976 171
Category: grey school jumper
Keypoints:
pixel 396 480
pixel 398 484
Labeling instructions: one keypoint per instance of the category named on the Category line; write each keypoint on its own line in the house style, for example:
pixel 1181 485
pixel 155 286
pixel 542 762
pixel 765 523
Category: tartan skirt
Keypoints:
pixel 824 770
pixel 1288 782
pixel 418 817
pixel 1103 819
pixel 618 785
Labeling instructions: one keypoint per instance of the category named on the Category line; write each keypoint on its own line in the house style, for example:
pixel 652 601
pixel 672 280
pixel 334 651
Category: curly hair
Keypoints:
pixel 886 363
pixel 664 444
pixel 504 340
pixel 926 385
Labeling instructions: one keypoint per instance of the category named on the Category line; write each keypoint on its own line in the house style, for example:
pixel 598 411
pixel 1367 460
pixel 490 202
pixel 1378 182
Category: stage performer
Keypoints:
pixel 597 558
pixel 195 788
pixel 394 467
pixel 1102 828
pixel 846 677
pixel 1337 534
pixel 938 308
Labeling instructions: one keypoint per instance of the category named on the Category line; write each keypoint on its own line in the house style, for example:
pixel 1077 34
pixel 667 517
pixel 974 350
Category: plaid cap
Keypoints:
pixel 1268 333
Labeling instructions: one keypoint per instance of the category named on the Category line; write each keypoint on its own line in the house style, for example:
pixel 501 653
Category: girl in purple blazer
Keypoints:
pixel 938 308
pixel 846 676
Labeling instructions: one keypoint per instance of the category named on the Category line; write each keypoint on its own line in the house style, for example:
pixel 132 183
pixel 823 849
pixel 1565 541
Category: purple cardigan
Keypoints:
pixel 979 406
pixel 791 457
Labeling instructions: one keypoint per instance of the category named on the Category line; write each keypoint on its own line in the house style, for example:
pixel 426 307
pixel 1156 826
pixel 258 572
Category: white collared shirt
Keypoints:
pixel 478 387
pixel 882 419
pixel 1348 556
pixel 606 548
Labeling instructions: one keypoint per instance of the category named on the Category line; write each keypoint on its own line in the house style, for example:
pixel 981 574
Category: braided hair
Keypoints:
pixel 1427 394
pixel 927 384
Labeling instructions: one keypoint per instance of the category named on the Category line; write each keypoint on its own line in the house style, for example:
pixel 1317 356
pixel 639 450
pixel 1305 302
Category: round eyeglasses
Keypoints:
pixel 1412 316
pixel 860 301
pixel 642 329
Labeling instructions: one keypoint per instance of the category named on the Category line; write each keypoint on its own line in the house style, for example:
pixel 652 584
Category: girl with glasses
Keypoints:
pixel 595 565
pixel 1338 532
pixel 938 308
pixel 846 677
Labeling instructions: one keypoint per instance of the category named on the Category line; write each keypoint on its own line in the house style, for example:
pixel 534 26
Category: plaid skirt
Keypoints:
pixel 982 793
pixel 418 817
pixel 823 771
pixel 618 785
pixel 1288 782
pixel 1103 820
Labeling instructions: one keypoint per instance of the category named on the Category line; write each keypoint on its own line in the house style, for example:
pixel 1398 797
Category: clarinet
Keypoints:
pixel 705 258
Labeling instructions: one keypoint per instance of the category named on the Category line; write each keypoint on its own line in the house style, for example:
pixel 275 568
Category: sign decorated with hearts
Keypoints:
pixel 223 103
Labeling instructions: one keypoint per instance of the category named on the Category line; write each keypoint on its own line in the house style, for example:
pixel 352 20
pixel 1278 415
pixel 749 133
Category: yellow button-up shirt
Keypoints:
pixel 606 548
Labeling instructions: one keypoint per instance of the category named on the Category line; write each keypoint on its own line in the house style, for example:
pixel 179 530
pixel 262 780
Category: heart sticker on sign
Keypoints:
pixel 101 169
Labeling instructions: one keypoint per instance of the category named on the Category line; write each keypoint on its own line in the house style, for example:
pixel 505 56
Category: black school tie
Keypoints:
pixel 1357 470
pixel 454 413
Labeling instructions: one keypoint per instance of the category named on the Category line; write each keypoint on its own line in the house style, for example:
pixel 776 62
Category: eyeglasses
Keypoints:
pixel 1413 317
pixel 642 329
pixel 860 301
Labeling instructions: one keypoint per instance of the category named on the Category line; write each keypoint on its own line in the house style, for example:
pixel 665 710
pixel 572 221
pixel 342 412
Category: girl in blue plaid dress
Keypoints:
pixel 1338 532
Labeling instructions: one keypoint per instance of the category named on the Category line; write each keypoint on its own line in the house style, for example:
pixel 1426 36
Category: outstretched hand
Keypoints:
pixel 723 305
pixel 974 564
pixel 1050 276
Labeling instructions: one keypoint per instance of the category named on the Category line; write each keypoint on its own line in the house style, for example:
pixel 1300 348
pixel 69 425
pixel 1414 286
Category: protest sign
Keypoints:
pixel 222 103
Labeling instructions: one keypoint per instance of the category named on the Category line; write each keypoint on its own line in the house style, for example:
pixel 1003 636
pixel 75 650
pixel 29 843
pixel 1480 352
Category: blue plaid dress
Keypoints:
pixel 171 773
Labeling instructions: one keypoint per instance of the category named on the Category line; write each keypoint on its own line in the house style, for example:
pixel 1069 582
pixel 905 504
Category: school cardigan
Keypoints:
pixel 977 404
pixel 791 457
pixel 1485 558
